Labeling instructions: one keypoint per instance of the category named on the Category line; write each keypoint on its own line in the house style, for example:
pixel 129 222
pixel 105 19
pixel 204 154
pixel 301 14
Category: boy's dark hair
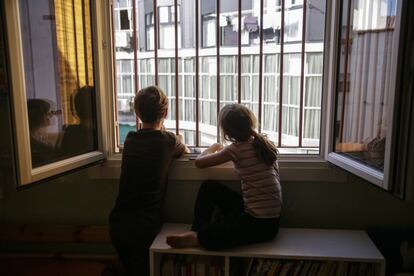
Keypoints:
pixel 151 104
pixel 37 109
pixel 83 102
pixel 237 124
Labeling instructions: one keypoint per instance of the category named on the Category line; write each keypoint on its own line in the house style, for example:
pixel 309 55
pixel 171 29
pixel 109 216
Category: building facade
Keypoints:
pixel 297 116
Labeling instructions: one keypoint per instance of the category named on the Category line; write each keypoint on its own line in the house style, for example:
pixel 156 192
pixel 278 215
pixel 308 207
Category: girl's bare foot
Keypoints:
pixel 187 239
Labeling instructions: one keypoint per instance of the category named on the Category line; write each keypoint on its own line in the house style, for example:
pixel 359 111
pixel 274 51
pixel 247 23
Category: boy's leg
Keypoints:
pixel 123 256
pixel 139 262
pixel 132 243
pixel 214 194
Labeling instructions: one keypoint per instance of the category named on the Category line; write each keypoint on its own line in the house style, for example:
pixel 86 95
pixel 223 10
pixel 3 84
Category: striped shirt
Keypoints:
pixel 261 190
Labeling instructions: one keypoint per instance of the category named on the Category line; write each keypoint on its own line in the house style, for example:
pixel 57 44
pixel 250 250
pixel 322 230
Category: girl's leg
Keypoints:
pixel 214 194
pixel 237 230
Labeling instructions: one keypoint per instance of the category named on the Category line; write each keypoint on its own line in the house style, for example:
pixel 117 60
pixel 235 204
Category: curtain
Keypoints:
pixel 74 44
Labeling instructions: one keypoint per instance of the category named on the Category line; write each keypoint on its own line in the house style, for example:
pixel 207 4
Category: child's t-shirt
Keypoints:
pixel 261 190
pixel 146 157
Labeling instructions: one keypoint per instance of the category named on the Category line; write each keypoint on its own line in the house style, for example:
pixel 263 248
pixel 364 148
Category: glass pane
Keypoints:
pixel 59 78
pixel 6 138
pixel 364 84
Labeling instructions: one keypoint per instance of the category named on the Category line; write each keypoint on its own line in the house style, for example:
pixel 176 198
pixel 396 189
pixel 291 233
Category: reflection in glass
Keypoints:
pixel 364 85
pixel 57 63
pixel 5 110
pixel 41 143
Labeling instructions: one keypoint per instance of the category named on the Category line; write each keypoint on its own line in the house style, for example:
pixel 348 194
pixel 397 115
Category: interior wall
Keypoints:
pixel 75 199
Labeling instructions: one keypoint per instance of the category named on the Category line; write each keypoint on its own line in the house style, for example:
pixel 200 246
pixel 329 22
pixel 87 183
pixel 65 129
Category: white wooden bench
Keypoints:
pixel 291 245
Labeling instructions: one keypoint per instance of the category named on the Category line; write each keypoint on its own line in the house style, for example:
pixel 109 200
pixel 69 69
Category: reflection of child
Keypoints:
pixel 137 216
pixel 80 138
pixel 252 217
pixel 39 119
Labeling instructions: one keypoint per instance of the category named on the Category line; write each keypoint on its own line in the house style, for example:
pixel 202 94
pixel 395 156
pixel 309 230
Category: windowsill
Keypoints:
pixel 184 169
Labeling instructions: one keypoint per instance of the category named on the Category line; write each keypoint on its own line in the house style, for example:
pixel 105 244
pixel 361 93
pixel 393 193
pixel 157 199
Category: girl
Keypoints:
pixel 252 217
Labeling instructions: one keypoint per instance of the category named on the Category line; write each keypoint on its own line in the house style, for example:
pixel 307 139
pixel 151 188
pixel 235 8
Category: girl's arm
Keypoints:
pixel 212 156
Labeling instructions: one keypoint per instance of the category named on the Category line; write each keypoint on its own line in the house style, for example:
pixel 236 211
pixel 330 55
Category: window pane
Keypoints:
pixel 124 20
pixel 208 22
pixel 59 78
pixel 121 3
pixel 164 14
pixel 364 87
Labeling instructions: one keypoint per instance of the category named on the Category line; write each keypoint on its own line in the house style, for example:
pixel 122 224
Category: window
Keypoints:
pixel 166 27
pixel 276 68
pixel 366 88
pixel 276 71
pixel 53 76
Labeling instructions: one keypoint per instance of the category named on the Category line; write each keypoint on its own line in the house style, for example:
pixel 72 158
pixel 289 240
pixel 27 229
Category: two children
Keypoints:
pixel 248 218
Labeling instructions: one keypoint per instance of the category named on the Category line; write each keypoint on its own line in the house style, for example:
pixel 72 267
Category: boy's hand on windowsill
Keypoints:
pixel 180 139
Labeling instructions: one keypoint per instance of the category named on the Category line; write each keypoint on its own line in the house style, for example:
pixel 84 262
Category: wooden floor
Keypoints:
pixel 45 266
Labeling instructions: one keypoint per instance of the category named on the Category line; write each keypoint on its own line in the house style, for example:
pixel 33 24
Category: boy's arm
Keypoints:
pixel 180 148
pixel 212 156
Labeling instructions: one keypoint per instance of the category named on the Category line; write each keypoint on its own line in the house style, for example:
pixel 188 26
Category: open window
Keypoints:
pixel 267 55
pixel 273 57
pixel 54 95
pixel 369 47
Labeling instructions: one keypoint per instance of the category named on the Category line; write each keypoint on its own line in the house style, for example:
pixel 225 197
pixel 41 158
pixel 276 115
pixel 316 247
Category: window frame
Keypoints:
pixel 381 179
pixel 25 173
pixel 293 167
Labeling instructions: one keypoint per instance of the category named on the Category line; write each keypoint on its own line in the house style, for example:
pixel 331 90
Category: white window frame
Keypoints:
pixel 26 174
pixel 381 179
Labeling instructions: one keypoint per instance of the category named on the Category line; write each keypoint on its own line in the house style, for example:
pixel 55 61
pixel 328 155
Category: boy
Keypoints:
pixel 137 216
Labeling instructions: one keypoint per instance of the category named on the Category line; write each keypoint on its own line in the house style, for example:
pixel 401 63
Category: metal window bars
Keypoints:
pixel 282 44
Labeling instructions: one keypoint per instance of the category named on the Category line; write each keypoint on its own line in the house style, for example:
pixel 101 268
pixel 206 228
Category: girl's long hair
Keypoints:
pixel 238 123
